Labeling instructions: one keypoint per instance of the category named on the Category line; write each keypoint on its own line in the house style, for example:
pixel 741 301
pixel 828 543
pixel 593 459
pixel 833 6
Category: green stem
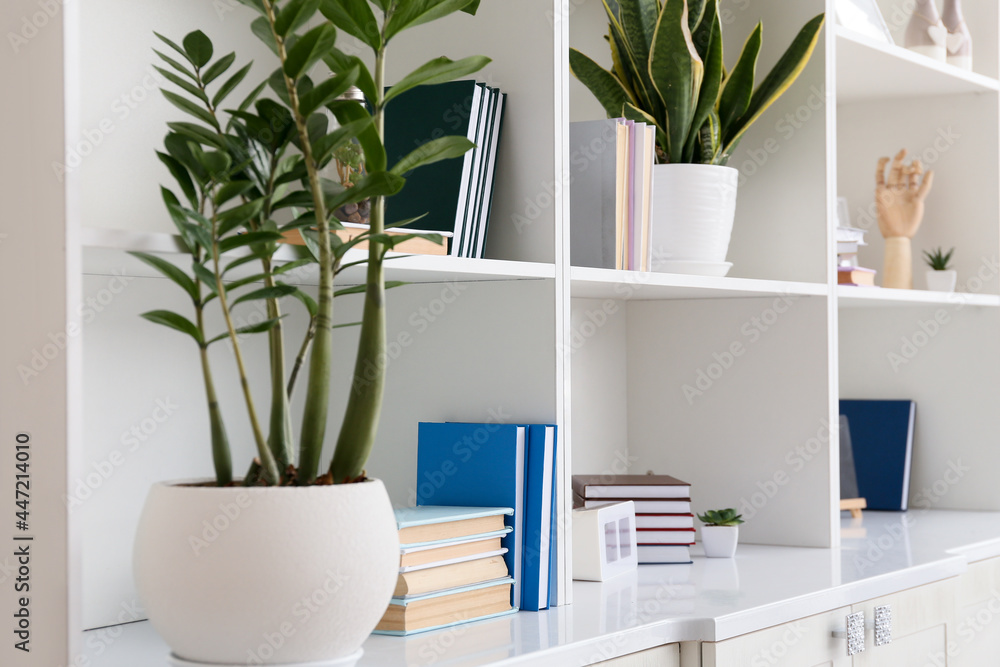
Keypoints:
pixel 221 454
pixel 318 390
pixel 280 424
pixel 300 359
pixel 364 406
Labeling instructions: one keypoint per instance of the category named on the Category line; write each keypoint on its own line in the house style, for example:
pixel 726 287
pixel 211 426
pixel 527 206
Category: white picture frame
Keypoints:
pixel 864 18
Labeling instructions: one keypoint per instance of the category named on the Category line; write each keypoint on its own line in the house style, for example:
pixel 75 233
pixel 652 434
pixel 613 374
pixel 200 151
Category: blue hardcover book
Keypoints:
pixel 537 518
pixel 882 444
pixel 554 522
pixel 476 465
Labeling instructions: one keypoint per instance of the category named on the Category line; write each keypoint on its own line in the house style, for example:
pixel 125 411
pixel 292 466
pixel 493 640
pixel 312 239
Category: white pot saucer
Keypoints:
pixel 346 661
pixel 714 269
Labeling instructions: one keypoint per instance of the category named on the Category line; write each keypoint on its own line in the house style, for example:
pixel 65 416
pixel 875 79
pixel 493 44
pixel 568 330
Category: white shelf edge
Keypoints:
pixel 850 296
pixel 896 51
pixel 458 268
pixel 641 285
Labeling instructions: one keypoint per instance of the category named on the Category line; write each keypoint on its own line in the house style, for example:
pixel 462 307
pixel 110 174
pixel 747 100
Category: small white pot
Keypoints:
pixel 287 575
pixel 720 541
pixel 694 206
pixel 942 281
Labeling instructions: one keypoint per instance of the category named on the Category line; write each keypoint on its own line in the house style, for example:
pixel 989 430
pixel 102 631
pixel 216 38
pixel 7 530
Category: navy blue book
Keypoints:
pixel 476 465
pixel 537 517
pixel 882 444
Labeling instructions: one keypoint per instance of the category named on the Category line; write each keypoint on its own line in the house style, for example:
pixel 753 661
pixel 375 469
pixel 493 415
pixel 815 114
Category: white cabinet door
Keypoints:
pixel 976 639
pixel 668 655
pixel 808 642
pixel 922 622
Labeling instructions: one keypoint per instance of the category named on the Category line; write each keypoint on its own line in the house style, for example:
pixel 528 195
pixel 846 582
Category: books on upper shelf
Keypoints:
pixel 611 167
pixel 494 464
pixel 458 551
pixel 663 518
pixel 848 275
pixel 453 196
pixel 881 436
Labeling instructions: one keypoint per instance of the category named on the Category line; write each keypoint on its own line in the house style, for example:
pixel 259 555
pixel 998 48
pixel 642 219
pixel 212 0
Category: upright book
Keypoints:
pixel 594 203
pixel 476 465
pixel 538 517
pixel 882 444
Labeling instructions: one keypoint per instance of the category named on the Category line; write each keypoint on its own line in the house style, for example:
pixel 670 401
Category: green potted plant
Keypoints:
pixel 668 71
pixel 290 563
pixel 940 278
pixel 720 533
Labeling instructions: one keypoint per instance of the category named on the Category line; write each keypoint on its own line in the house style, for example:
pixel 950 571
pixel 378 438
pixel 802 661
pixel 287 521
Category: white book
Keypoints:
pixel 593 147
pixel 664 521
pixel 645 506
pixel 664 554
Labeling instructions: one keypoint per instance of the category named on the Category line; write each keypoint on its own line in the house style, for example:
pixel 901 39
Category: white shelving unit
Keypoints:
pixel 730 383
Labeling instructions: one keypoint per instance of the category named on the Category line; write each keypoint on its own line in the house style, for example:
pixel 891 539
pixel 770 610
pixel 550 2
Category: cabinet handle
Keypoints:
pixel 854 633
pixel 883 625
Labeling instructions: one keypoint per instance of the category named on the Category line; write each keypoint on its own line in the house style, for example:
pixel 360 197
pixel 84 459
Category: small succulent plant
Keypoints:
pixel 938 259
pixel 727 517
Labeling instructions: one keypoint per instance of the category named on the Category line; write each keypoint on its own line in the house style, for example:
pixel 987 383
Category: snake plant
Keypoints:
pixel 668 71
pixel 250 174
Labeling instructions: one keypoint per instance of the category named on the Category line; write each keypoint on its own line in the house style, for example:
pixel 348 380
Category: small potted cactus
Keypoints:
pixel 940 278
pixel 720 533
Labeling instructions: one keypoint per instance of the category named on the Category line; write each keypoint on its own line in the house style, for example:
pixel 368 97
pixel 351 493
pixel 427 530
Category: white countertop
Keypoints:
pixel 711 600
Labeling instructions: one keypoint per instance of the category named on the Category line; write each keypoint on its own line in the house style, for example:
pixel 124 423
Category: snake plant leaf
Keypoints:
pixel 415 12
pixel 198 47
pixel 354 17
pixel 710 139
pixel 676 71
pixel 712 81
pixel 294 15
pixel 175 274
pixel 632 112
pixel 702 33
pixel 738 88
pixel 174 321
pixel 696 13
pixel 230 85
pixel 338 61
pixel 218 68
pixel 638 22
pixel 634 74
pixel 435 150
pixel 603 84
pixel 783 75
pixel 309 49
pixel 438 70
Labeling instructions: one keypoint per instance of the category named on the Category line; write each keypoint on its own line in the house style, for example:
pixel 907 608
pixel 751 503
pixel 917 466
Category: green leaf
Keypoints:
pixel 602 84
pixel 738 88
pixel 198 134
pixel 291 266
pixel 676 71
pixel 696 12
pixel 252 97
pixel 181 175
pixel 416 12
pixel 324 146
pixel 712 82
pixel 355 18
pixel 327 91
pixel 638 22
pixel 309 49
pixel 634 74
pixel 295 15
pixel 198 47
pixel 187 86
pixel 190 107
pixel 177 66
pixel 170 271
pixel 275 292
pixel 781 77
pixel 361 289
pixel 231 190
pixel 257 5
pixel 310 238
pixel 204 274
pixel 174 321
pixel 378 184
pixel 230 84
pixel 444 148
pixel 347 111
pixel 307 301
pixel 260 327
pixel 234 217
pixel 216 163
pixel 218 68
pixel 250 238
pixel 439 70
pixel 262 28
pixel 174 46
pixel 339 62
pixel 236 284
pixel 238 262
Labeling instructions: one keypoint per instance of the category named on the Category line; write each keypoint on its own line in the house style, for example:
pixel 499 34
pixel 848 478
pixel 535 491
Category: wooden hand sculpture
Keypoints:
pixel 900 202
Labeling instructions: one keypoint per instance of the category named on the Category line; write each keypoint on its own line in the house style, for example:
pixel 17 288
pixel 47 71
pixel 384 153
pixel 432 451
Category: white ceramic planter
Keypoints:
pixel 693 210
pixel 266 576
pixel 720 541
pixel 942 281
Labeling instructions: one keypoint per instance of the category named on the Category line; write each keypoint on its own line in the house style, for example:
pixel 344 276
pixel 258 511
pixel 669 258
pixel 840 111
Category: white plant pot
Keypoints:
pixel 720 541
pixel 942 281
pixel 288 575
pixel 693 210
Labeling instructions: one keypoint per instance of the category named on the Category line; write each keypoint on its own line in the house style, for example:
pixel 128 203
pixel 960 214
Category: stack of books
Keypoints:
pixel 451 568
pixel 664 524
pixel 499 465
pixel 451 197
pixel 611 172
pixel 849 272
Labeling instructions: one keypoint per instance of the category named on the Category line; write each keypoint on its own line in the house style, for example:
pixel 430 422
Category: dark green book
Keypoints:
pixel 440 190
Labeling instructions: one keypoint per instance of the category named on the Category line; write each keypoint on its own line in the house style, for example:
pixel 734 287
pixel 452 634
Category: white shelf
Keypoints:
pixel 871 70
pixel 105 254
pixel 644 286
pixel 849 296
